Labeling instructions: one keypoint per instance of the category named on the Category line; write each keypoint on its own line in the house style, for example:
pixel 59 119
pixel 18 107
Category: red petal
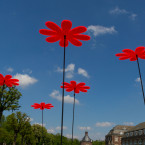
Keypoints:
pixel 142 56
pixel 47 32
pixel 14 80
pixel 73 83
pixel 66 25
pixel 8 77
pixel 79 29
pixel 128 51
pixel 120 54
pixel 53 26
pixel 123 58
pixel 16 84
pixel 1 83
pixel 52 39
pixel 69 89
pixel 9 85
pixel 133 59
pixel 80 85
pixel 36 104
pixel 85 87
pixel 1 76
pixel 75 42
pixel 140 50
pixel 77 90
pixel 82 37
pixel 64 87
pixel 83 90
pixel 61 43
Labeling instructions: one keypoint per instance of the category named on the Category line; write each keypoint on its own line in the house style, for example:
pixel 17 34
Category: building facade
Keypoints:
pixel 135 136
pixel 115 135
pixel 86 140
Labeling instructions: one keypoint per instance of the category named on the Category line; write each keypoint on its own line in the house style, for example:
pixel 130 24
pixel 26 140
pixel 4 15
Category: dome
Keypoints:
pixel 86 138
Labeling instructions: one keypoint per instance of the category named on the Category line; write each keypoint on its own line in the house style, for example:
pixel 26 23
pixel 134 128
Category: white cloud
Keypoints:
pixel 59 128
pixel 128 123
pixel 100 30
pixel 118 11
pixel 69 70
pixel 27 71
pixel 31 119
pixel 70 136
pixel 137 80
pixel 67 99
pixel 51 131
pixel 85 128
pixel 83 72
pixel 25 80
pixel 104 124
pixel 10 69
pixel 133 16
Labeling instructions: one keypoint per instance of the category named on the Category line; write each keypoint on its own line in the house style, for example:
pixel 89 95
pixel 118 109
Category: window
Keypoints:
pixel 136 133
pixel 116 138
pixel 127 134
pixel 140 132
pixel 131 133
pixel 140 142
pixel 135 142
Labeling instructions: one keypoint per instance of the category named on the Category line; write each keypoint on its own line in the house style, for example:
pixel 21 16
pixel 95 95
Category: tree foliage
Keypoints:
pixel 27 134
pixel 9 99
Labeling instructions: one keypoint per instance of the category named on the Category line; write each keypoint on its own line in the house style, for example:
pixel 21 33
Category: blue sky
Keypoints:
pixel 115 96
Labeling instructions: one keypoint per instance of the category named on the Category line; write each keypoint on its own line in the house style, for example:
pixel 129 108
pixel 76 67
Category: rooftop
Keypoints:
pixel 138 127
pixel 86 138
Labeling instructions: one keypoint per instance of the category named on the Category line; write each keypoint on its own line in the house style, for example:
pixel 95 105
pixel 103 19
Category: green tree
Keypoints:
pixel 9 97
pixel 98 142
pixel 37 130
pixel 26 130
pixel 17 122
pixel 5 136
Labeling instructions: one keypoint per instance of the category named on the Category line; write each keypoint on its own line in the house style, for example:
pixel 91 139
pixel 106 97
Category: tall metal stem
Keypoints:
pixel 73 117
pixel 42 128
pixel 63 90
pixel 140 79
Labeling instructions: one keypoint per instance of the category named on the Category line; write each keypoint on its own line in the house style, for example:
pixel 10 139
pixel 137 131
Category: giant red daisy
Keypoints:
pixel 57 34
pixel 42 106
pixel 73 86
pixel 132 55
pixel 8 81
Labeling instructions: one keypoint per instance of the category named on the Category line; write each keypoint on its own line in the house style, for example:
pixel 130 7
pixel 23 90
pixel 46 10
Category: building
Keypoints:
pixel 135 136
pixel 86 140
pixel 114 136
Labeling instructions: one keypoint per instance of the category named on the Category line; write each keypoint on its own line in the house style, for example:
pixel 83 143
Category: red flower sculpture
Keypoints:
pixel 73 86
pixel 42 106
pixel 8 81
pixel 56 33
pixel 132 55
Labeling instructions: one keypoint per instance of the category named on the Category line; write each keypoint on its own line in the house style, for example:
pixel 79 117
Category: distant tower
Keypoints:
pixel 86 140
